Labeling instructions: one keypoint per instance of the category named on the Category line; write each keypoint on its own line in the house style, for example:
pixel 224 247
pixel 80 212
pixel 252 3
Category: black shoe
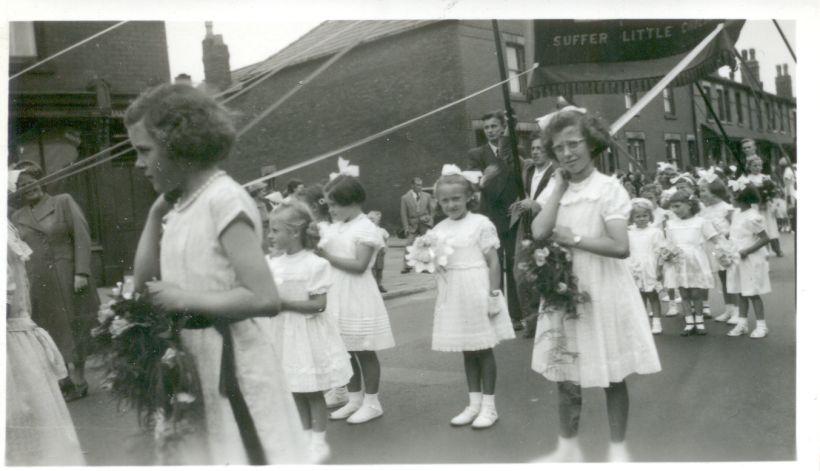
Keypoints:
pixel 75 391
pixel 381 289
pixel 517 325
pixel 405 271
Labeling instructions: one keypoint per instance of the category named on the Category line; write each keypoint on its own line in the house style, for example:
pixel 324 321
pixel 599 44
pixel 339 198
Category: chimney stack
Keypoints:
pixel 183 79
pixel 216 59
pixel 783 82
pixel 753 66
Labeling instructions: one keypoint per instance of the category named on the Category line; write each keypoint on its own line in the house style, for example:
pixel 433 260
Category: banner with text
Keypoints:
pixel 620 56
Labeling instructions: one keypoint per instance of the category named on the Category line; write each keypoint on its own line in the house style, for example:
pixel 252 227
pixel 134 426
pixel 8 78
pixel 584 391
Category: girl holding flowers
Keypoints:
pixel 587 212
pixel 645 241
pixel 467 313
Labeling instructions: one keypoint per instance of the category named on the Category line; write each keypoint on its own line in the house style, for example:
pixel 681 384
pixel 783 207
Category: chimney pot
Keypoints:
pixel 752 54
pixel 779 72
pixel 209 29
pixel 745 55
pixel 785 69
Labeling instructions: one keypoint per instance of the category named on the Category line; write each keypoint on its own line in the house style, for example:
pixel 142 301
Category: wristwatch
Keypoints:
pixel 576 240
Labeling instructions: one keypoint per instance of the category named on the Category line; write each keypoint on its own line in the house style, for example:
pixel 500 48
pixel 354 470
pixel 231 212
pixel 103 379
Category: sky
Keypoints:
pixel 249 43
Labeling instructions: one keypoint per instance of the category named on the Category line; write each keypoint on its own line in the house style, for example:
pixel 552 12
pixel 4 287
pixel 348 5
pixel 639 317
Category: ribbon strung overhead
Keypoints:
pixel 619 56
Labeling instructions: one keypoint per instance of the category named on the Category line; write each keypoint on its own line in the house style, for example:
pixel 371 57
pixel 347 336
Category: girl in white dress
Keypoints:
pixel 588 212
pixel 203 239
pixel 462 320
pixel 39 429
pixel 691 272
pixel 754 167
pixel 659 217
pixel 644 242
pixel 716 209
pixel 305 337
pixel 750 277
pixel 350 245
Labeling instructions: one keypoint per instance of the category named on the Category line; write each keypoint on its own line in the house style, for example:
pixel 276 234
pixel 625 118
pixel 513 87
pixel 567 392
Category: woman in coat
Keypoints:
pixel 63 295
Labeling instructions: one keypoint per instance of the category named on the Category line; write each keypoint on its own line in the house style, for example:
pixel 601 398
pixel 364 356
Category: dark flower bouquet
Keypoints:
pixel 147 369
pixel 768 190
pixel 547 273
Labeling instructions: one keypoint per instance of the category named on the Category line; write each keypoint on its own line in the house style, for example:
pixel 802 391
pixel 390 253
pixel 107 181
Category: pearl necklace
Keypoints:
pixel 182 205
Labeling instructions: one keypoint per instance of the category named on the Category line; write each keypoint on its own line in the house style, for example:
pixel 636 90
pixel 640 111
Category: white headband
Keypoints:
pixel 345 169
pixel 545 120
pixel 472 176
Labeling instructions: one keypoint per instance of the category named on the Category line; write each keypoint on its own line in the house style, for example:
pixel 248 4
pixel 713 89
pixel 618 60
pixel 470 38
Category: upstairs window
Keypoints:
pixel 515 65
pixel 668 101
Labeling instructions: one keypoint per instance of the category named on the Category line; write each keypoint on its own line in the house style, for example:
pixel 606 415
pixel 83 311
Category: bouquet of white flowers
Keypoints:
pixel 726 254
pixel 670 253
pixel 429 253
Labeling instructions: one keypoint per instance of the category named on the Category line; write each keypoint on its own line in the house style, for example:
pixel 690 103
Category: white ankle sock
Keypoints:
pixel 567 442
pixel 691 320
pixel 488 400
pixel 355 397
pixel 761 324
pixel 698 319
pixel 318 437
pixel 371 400
pixel 475 400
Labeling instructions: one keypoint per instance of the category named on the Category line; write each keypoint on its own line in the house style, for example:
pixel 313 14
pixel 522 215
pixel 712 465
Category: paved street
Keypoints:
pixel 717 398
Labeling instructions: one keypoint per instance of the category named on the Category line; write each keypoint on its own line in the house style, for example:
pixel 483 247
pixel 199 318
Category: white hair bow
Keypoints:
pixel 345 169
pixel 663 166
pixel 739 184
pixel 683 176
pixel 275 198
pixel 643 203
pixel 545 120
pixel 13 176
pixel 707 176
pixel 472 176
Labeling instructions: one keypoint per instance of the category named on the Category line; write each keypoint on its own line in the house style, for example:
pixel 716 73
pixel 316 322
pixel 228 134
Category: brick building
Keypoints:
pixel 401 69
pixel 72 106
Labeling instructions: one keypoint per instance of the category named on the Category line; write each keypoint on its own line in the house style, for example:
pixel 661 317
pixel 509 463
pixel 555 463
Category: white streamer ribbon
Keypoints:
pixel 664 166
pixel 739 184
pixel 472 176
pixel 707 176
pixel 345 169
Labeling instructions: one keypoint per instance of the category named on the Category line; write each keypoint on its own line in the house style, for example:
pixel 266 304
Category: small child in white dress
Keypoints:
pixel 750 277
pixel 644 242
pixel 462 321
pixel 652 192
pixel 350 245
pixel 690 272
pixel 305 337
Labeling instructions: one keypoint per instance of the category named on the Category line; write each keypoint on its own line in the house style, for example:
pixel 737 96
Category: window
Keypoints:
pixel 673 151
pixel 727 105
pixel 692 147
pixel 784 119
pixel 668 101
pixel 637 148
pixel 515 65
pixel 769 121
pixel 759 114
pixel 707 96
pixel 721 108
pixel 738 107
pixel 22 42
pixel 630 98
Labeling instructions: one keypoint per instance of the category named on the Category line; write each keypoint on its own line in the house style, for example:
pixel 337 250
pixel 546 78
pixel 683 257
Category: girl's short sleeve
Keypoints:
pixel 368 234
pixel 657 239
pixel 487 236
pixel 755 224
pixel 708 229
pixel 319 281
pixel 227 205
pixel 616 204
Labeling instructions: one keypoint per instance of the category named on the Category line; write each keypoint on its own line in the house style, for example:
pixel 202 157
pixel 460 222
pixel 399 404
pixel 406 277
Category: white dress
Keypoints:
pixel 718 214
pixel 354 299
pixel 309 345
pixel 750 276
pixel 643 257
pixel 611 338
pixel 192 258
pixel 461 321
pixel 693 269
pixel 39 429
pixel 766 210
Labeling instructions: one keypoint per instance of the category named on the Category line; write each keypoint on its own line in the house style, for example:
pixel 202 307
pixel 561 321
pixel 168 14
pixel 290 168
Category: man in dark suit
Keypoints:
pixel 417 210
pixel 498 193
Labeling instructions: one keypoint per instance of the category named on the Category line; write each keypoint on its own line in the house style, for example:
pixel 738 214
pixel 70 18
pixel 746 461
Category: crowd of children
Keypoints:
pixel 685 230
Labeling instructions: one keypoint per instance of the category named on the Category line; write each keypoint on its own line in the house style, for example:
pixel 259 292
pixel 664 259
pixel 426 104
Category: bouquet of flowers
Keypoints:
pixel 147 369
pixel 726 254
pixel 670 253
pixel 768 190
pixel 429 253
pixel 547 272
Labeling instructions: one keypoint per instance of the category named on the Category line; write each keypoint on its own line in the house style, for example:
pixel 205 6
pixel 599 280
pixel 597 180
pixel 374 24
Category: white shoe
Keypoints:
pixel 734 319
pixel 567 451
pixel 319 452
pixel 657 328
pixel 467 416
pixel 673 310
pixel 664 296
pixel 727 314
pixel 348 410
pixel 707 311
pixel 759 332
pixel 678 300
pixel 740 329
pixel 336 397
pixel 486 418
pixel 365 414
pixel 618 453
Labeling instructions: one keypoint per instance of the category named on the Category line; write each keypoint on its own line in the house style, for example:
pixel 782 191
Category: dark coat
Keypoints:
pixel 58 235
pixel 499 192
